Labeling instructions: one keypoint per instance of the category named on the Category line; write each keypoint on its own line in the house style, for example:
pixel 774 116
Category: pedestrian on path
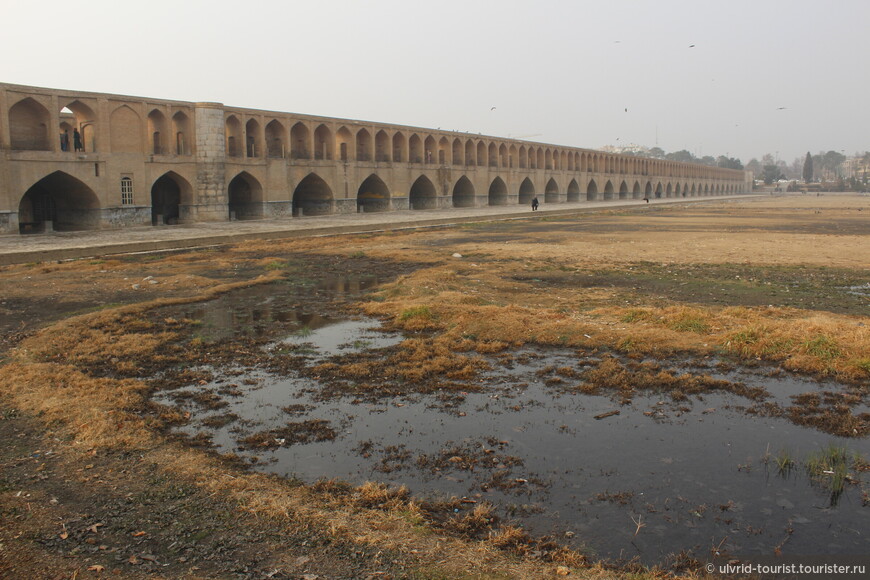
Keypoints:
pixel 535 204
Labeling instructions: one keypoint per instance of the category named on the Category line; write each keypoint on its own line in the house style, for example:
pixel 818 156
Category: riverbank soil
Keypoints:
pixel 93 485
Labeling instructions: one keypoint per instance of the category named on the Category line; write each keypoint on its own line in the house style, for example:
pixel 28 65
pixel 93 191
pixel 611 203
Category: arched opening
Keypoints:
pixel 527 191
pixel 551 191
pixel 623 191
pixel 463 193
pixel 497 192
pixel 512 157
pixel 430 150
pixel 58 202
pixel 608 191
pixel 503 156
pixel 658 190
pixel 481 154
pixel 647 192
pixel 181 129
pixel 276 139
pixel 373 195
pixel 523 157
pixel 458 158
pixel 540 163
pixel 469 153
pixel 423 194
pixel 415 149
pixel 591 191
pixel 234 137
pixel 492 152
pixel 322 143
pixel 548 159
pixel 312 197
pixel 28 126
pixel 166 197
pixel 253 144
pixel 669 192
pixel 300 138
pixel 573 190
pixel 382 147
pixel 84 122
pixel 443 150
pixel 399 148
pixel 635 192
pixel 343 141
pixel 363 145
pixel 245 197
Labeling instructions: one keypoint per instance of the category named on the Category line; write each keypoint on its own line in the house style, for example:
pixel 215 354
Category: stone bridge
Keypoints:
pixel 80 160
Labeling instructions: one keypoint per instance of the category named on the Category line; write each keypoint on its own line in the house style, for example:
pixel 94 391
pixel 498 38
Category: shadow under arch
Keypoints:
pixel 373 195
pixel 551 192
pixel 168 193
pixel 423 194
pixel 591 191
pixel 245 197
pixel 573 191
pixel 498 194
pixel 527 192
pixel 59 202
pixel 463 193
pixel 312 197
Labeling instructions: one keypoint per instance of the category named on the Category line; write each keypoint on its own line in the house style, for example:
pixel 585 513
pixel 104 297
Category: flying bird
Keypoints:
pixel 626 110
pixel 781 108
pixel 691 46
pixel 492 109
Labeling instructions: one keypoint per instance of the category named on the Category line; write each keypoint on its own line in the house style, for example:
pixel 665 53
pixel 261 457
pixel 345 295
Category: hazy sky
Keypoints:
pixel 557 71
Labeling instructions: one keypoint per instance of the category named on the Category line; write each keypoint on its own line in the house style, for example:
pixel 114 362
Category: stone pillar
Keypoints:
pixel 210 199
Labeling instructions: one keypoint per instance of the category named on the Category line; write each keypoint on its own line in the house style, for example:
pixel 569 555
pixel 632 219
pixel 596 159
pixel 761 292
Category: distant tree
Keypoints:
pixel 729 162
pixel 657 153
pixel 808 168
pixel 681 156
pixel 754 166
pixel 708 160
pixel 771 173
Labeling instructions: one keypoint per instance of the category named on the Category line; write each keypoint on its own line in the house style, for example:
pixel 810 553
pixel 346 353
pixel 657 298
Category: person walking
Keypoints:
pixel 77 140
pixel 535 203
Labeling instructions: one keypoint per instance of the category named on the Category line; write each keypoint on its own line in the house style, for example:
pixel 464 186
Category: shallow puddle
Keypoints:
pixel 659 477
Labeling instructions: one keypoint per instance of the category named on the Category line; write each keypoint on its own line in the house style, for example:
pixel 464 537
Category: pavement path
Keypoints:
pixel 17 249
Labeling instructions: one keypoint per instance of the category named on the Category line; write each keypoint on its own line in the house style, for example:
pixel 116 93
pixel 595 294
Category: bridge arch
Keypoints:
pixel 300 139
pixel 659 190
pixel 323 143
pixel 312 197
pixel 29 124
pixel 429 150
pixel 253 144
pixel 669 191
pixel 463 193
pixel 573 191
pixel 382 146
pixel 458 157
pixel 168 193
pixel 60 202
pixel 498 193
pixel 400 148
pixel 363 145
pixel 245 197
pixel 623 190
pixel 157 132
pixel 182 133
pixel 344 144
pixel 608 191
pixel 591 191
pixel 415 149
pixel 635 191
pixel 527 191
pixel 551 191
pixel 481 154
pixel 423 194
pixel 443 151
pixel 373 195
pixel 276 139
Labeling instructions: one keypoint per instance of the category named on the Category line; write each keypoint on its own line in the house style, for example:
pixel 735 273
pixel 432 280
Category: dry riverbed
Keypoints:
pixel 130 390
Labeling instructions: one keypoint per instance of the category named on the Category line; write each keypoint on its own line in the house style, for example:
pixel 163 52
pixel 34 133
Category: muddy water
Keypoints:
pixel 658 478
